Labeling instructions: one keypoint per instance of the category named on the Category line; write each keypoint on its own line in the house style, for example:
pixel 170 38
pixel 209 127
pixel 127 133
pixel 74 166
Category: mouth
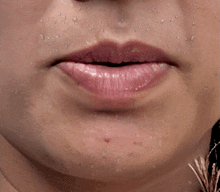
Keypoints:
pixel 115 71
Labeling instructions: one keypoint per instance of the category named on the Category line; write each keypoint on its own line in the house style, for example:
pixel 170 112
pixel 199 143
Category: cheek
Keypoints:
pixel 22 12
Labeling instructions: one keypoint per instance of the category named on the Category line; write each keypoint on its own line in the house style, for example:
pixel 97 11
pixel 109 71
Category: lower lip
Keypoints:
pixel 115 82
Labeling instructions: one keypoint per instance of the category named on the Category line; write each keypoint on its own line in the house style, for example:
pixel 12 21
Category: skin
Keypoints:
pixel 53 138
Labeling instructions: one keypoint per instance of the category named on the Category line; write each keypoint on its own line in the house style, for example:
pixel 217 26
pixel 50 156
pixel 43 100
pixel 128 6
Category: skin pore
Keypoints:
pixel 56 137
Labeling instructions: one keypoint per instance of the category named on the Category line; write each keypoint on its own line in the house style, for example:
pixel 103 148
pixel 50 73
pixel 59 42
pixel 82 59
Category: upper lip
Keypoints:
pixel 113 53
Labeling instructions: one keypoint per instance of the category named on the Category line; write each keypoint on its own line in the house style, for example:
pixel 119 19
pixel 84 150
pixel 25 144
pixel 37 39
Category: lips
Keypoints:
pixel 115 71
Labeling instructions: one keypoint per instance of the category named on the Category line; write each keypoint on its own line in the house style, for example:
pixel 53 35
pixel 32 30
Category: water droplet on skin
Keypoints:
pixel 193 23
pixel 175 16
pixel 57 36
pixel 42 36
pixel 147 30
pixel 59 14
pixel 48 38
pixel 68 44
pixel 168 46
pixel 191 38
pixel 41 21
pixel 158 11
pixel 171 20
pixel 177 37
pixel 74 19
pixel 162 21
pixel 90 29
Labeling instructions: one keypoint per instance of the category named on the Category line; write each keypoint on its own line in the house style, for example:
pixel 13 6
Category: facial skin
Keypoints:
pixel 53 135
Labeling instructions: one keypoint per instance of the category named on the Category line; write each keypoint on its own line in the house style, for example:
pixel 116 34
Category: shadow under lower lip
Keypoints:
pixel 115 82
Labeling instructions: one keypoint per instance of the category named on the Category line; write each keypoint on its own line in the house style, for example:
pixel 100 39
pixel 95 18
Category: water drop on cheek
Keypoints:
pixel 191 38
pixel 42 36
pixel 74 19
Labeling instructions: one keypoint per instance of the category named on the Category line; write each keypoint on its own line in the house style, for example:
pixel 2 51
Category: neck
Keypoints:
pixel 17 170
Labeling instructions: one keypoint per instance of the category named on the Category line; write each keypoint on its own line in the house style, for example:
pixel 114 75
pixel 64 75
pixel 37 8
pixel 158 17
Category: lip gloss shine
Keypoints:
pixel 115 82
